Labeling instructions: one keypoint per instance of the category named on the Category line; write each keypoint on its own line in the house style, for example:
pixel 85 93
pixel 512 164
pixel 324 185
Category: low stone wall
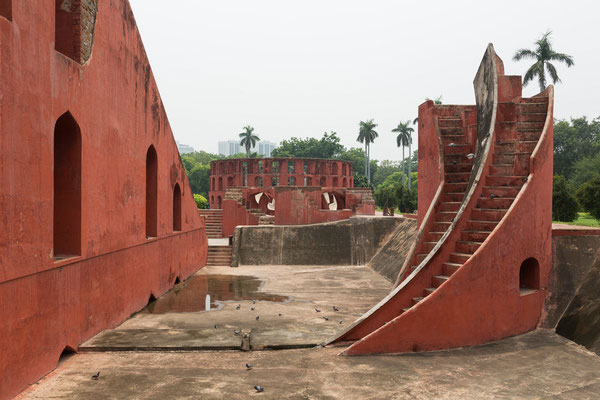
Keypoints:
pixel 573 302
pixel 350 242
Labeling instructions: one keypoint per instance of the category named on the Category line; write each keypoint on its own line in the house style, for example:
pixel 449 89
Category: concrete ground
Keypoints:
pixel 289 322
pixel 538 365
pixel 175 351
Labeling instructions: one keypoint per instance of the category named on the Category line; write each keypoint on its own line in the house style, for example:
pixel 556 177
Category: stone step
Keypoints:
pixel 467 246
pixel 448 269
pixel 501 191
pixel 455 187
pixel 447 130
pixel 439 279
pixel 450 205
pixel 527 108
pixel 462 167
pixel 539 99
pixel 457 149
pixel 495 203
pixel 446 216
pixel 487 214
pixel 532 116
pixel 455 177
pixel 449 122
pixel 515 146
pixel 502 169
pixel 453 197
pixel 459 258
pixel 476 225
pixel 474 236
pixel 457 139
pixel 504 180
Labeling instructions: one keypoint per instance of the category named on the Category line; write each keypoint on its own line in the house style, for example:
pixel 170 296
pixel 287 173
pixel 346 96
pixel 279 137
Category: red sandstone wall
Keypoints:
pixel 429 160
pixel 45 305
pixel 299 206
pixel 229 173
pixel 235 214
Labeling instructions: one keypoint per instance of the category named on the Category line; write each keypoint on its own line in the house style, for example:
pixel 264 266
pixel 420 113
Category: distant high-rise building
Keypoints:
pixel 232 147
pixel 184 148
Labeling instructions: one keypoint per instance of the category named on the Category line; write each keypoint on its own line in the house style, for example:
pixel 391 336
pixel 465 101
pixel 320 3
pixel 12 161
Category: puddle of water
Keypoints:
pixel 200 292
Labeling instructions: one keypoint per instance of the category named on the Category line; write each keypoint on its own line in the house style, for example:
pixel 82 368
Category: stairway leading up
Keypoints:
pixel 479 267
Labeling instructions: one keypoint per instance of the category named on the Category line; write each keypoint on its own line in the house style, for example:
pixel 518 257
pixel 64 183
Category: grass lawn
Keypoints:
pixel 583 219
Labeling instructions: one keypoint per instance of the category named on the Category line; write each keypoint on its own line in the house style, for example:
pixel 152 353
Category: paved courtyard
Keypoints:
pixel 172 349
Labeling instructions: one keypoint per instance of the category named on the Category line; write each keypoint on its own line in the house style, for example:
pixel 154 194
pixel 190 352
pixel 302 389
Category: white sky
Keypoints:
pixel 304 67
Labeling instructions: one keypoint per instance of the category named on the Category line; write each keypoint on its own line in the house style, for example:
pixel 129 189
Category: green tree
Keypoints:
pixel 200 200
pixel 199 178
pixel 575 140
pixel 564 204
pixel 404 139
pixel 248 139
pixel 543 54
pixel 384 169
pixel 585 169
pixel 327 147
pixel 367 135
pixel 589 196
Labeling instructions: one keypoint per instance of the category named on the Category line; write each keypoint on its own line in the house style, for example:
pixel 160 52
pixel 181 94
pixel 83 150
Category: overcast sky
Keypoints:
pixel 304 67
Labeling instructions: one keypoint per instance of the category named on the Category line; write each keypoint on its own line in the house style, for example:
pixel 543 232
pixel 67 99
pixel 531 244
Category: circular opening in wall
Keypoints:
pixel 529 276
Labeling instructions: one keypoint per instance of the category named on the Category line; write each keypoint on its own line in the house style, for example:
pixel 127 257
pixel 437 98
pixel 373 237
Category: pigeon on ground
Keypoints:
pixel 248 366
pixel 280 314
pixel 96 376
pixel 253 301
pixel 238 307
pixel 236 332
pixel 326 318
pixel 317 310
pixel 470 156
pixel 258 388
pixel 252 308
pixel 215 326
pixel 341 321
pixel 257 317
pixel 335 308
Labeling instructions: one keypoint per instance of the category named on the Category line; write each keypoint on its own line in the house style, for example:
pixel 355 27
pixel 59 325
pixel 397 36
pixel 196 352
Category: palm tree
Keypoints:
pixel 543 54
pixel 404 139
pixel 367 135
pixel 248 139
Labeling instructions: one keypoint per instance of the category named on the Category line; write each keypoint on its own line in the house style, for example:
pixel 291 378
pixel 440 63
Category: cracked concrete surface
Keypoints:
pixel 538 365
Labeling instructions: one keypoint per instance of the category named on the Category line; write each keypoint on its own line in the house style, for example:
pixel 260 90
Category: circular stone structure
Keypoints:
pixel 270 172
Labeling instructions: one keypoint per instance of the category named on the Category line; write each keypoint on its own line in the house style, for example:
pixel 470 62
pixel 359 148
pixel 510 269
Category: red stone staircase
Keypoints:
pixel 214 222
pixel 219 255
pixel 478 269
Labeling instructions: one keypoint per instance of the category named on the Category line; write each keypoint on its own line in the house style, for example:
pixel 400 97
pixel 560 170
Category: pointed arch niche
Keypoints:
pixel 151 192
pixel 67 188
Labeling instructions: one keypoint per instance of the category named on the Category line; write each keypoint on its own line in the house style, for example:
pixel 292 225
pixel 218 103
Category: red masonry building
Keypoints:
pixel 97 213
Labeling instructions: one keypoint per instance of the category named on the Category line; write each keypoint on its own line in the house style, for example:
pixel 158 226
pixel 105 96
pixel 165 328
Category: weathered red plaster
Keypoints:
pixel 47 305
